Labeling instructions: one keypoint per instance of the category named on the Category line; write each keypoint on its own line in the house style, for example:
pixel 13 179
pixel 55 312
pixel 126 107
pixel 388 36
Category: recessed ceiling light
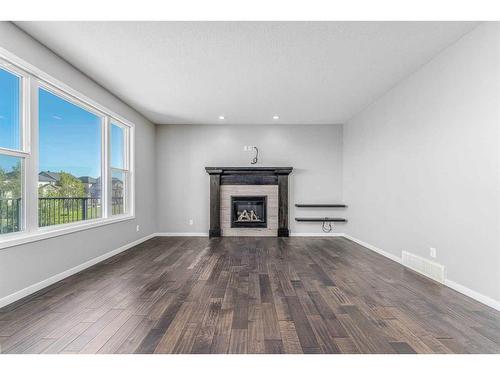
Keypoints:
pixel 276 117
pixel 222 118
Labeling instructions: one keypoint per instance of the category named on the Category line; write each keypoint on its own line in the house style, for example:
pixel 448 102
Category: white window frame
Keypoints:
pixel 24 142
pixel 32 80
pixel 126 168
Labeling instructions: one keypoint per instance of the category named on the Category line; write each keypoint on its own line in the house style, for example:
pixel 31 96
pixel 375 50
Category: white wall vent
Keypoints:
pixel 424 266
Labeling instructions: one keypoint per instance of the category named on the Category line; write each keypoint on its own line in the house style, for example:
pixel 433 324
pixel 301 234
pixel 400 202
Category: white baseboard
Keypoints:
pixel 488 301
pixel 374 248
pixel 317 234
pixel 170 234
pixel 7 300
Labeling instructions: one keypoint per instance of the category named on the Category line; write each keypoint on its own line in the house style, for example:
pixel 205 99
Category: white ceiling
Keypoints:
pixel 192 72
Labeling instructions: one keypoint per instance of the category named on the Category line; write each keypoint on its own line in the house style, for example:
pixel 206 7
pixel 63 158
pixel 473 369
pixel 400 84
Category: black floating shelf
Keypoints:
pixel 322 205
pixel 321 219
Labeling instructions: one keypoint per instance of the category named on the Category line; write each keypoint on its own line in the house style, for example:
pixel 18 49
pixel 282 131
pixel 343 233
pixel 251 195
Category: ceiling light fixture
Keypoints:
pixel 222 118
pixel 276 117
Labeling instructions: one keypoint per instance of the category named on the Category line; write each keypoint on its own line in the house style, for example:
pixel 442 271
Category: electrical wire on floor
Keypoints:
pixel 326 226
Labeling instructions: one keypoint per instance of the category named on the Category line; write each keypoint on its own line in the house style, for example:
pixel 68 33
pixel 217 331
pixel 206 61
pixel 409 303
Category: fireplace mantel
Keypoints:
pixel 286 170
pixel 248 176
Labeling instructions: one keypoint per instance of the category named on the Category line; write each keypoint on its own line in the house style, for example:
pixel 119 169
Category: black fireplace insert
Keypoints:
pixel 248 212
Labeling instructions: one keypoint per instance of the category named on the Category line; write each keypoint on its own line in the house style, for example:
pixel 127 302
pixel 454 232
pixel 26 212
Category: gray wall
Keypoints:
pixel 25 265
pixel 422 164
pixel 183 152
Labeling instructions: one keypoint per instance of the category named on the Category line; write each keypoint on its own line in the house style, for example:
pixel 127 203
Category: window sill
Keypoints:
pixel 16 239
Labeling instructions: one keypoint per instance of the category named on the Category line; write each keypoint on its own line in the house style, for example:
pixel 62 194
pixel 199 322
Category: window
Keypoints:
pixel 65 161
pixel 69 178
pixel 10 110
pixel 12 154
pixel 119 169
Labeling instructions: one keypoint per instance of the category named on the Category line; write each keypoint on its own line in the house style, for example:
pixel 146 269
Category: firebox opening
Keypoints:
pixel 248 212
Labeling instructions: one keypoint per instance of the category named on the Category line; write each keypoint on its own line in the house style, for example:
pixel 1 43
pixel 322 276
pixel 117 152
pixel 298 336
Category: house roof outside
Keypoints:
pixel 87 179
pixel 47 176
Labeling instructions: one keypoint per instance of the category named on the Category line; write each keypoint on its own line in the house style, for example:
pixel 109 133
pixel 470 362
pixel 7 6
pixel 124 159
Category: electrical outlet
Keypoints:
pixel 137 228
pixel 433 252
pixel 191 221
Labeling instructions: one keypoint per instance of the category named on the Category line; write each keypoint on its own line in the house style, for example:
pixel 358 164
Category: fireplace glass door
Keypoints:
pixel 248 212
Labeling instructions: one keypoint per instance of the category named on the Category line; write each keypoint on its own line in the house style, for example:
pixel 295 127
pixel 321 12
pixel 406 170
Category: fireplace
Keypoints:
pixel 271 215
pixel 248 212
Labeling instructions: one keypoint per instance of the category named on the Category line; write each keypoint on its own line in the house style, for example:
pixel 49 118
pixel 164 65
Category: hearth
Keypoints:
pixel 248 212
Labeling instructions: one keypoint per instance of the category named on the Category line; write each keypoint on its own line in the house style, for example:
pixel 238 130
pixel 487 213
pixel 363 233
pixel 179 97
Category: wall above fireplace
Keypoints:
pixel 232 177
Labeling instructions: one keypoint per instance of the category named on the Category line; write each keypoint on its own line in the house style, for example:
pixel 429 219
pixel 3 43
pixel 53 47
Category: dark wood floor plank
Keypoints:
pixel 266 294
pixel 346 345
pixel 121 335
pixel 256 339
pixel 270 321
pixel 39 346
pixel 136 337
pixel 402 348
pixel 59 344
pixel 94 330
pixel 248 295
pixel 220 341
pixel 324 336
pixel 291 342
pixel 94 345
pixel 185 343
pixel 274 347
pixel 204 336
pixel 175 329
pixel 25 338
pixel 238 341
pixel 306 336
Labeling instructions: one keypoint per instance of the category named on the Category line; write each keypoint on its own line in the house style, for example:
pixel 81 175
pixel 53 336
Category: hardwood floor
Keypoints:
pixel 248 295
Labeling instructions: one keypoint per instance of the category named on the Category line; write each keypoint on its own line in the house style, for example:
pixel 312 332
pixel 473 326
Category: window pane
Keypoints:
pixel 10 194
pixel 118 189
pixel 69 179
pixel 10 110
pixel 117 147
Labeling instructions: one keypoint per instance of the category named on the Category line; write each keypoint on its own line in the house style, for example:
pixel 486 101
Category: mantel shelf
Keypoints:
pixel 321 219
pixel 249 170
pixel 318 205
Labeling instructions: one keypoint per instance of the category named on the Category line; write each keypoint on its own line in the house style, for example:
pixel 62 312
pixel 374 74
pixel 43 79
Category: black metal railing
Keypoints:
pixel 53 211
pixel 117 205
pixel 10 215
